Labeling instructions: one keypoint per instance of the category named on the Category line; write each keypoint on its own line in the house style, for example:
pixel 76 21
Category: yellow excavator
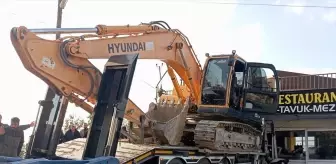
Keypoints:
pixel 217 107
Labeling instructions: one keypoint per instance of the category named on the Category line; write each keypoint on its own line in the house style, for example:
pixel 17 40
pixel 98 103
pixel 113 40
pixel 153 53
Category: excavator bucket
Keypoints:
pixel 167 121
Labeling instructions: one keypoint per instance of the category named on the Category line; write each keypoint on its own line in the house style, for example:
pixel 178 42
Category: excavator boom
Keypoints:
pixel 64 65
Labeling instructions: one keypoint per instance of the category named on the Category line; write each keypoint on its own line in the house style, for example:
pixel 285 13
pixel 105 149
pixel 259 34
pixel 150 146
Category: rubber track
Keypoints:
pixel 227 136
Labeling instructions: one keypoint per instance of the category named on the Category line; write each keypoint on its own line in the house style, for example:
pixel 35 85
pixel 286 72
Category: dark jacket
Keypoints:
pixel 13 140
pixel 61 138
pixel 22 127
pixel 69 135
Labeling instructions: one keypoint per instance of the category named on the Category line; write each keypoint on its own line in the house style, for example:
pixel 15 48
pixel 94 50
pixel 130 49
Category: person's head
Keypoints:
pixel 15 122
pixel 85 125
pixel 73 128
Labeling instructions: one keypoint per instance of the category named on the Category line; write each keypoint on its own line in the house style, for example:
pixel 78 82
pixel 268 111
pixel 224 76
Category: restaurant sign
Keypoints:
pixel 307 101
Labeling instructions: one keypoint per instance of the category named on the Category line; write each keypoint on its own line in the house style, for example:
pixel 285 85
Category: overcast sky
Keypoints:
pixel 293 39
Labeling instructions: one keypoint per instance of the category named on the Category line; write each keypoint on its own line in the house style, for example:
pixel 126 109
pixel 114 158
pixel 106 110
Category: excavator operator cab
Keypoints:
pixel 229 82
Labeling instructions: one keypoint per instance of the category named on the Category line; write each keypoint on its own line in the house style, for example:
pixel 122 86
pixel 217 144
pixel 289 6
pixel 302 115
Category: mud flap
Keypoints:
pixel 168 121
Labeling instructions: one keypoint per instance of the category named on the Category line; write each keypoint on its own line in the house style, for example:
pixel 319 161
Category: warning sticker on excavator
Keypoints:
pixel 48 62
pixel 130 47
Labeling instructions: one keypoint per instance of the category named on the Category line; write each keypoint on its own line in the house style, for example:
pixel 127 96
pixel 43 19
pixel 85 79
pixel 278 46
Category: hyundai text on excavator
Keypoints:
pixel 213 120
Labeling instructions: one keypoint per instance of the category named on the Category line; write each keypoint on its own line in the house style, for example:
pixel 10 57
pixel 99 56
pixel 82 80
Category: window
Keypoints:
pixel 322 144
pixel 240 76
pixel 302 141
pixel 257 78
pixel 290 143
pixel 215 80
pixel 258 82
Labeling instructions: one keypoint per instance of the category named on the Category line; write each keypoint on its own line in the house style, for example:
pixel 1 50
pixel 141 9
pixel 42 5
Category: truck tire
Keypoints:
pixel 204 161
pixel 225 161
pixel 176 161
pixel 262 160
pixel 282 162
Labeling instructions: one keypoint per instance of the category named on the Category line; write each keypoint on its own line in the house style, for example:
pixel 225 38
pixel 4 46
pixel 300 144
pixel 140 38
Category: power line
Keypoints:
pixel 269 5
pixel 227 2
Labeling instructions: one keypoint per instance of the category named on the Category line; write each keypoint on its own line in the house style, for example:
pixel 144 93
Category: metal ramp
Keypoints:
pixel 127 151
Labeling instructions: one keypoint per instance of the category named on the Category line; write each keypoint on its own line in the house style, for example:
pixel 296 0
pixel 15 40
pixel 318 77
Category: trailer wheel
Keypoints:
pixel 262 160
pixel 176 161
pixel 282 162
pixel 225 161
pixel 204 161
pixel 279 162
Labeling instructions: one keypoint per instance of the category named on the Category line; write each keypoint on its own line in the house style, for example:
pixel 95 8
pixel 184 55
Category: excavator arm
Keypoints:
pixel 63 64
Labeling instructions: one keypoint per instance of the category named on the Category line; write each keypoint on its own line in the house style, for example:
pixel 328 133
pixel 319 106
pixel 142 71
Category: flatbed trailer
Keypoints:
pixel 192 155
pixel 129 153
pixel 104 133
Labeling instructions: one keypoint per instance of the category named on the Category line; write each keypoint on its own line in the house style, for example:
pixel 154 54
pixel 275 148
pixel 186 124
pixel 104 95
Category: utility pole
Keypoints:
pixel 59 18
pixel 52 113
pixel 61 107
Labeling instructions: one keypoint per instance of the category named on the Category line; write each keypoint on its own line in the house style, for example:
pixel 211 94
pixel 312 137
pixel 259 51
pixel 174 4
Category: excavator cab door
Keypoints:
pixel 261 88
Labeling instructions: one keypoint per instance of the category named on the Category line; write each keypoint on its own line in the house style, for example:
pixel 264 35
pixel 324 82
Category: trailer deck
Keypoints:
pixel 128 153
